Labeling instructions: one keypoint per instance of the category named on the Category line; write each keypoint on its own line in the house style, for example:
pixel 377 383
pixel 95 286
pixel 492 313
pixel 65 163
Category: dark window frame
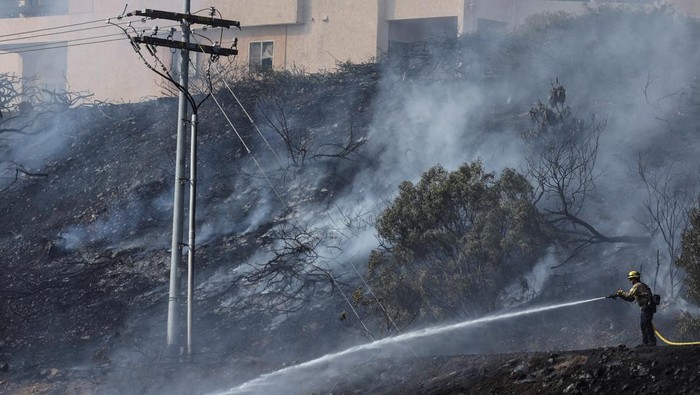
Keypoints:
pixel 258 59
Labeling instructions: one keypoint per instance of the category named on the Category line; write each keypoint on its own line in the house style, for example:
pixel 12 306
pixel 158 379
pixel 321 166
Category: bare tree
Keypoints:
pixel 673 108
pixel 287 280
pixel 670 197
pixel 563 168
pixel 670 191
pixel 285 110
pixel 24 110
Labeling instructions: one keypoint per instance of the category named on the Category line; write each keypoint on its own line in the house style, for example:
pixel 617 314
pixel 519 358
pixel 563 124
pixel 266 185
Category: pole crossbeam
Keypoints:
pixel 193 19
pixel 209 49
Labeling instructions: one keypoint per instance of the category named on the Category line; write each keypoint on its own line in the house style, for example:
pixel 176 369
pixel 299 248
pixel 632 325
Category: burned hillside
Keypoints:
pixel 100 213
pixel 341 208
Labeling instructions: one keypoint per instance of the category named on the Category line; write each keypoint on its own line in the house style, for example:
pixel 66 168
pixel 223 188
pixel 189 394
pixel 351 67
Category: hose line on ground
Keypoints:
pixel 670 343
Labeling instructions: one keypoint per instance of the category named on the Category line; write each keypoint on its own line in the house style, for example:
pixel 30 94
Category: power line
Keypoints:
pixel 63 46
pixel 40 45
pixel 240 138
pixel 26 37
pixel 52 28
pixel 64 43
pixel 51 34
pixel 286 207
pixel 330 269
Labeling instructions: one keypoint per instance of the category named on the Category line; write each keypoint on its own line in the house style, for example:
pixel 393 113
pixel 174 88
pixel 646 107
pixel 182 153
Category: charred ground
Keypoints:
pixel 620 369
pixel 86 229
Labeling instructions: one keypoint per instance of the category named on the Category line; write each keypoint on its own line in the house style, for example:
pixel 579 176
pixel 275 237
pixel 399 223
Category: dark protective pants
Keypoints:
pixel 648 337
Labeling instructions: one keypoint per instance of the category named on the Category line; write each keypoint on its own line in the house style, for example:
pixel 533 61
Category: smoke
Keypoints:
pixel 245 210
pixel 40 141
pixel 130 224
pixel 532 284
pixel 614 66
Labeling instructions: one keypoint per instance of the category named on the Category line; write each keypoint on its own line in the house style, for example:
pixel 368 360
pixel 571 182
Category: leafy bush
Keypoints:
pixel 450 243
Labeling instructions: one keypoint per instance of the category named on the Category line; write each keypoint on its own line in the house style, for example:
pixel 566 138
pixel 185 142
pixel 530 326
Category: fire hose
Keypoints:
pixel 670 343
pixel 663 339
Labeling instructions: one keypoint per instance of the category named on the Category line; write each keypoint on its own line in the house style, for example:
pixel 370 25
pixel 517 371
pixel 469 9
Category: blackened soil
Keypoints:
pixel 619 370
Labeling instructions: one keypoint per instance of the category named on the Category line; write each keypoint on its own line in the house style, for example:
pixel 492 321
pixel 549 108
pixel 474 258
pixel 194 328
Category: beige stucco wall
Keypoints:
pixel 11 63
pixel 335 31
pixel 308 34
pixel 323 33
pixel 112 71
pixel 81 7
pixel 256 12
pixel 248 12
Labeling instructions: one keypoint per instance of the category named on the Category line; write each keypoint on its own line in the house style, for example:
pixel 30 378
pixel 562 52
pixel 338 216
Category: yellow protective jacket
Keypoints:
pixel 640 292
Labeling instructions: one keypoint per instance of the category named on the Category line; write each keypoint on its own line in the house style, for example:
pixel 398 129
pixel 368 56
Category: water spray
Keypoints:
pixel 258 384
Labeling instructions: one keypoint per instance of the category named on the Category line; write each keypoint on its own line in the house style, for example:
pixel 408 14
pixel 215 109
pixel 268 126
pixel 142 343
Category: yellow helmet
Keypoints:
pixel 633 274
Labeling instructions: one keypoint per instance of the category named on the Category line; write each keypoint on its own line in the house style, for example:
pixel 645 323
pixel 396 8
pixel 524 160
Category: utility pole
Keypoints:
pixel 186 19
pixel 179 193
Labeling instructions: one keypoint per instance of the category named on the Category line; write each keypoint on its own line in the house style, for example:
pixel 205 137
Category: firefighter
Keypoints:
pixel 641 293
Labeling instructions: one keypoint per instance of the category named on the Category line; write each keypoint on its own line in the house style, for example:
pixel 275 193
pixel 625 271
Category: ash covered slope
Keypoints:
pixel 86 227
pixel 663 370
pixel 72 266
pixel 86 247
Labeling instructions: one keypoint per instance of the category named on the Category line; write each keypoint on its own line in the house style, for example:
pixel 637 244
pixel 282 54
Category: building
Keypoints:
pixel 68 45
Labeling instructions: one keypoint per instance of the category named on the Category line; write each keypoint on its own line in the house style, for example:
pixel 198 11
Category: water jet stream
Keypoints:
pixel 258 383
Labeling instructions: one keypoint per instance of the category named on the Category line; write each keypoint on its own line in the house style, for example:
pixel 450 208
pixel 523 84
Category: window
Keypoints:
pixel 30 8
pixel 260 55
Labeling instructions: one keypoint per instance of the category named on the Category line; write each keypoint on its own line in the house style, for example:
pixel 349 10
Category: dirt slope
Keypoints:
pixel 660 370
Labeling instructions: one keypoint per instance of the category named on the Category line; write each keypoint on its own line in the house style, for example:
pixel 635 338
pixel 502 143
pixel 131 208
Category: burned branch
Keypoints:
pixel 563 169
pixel 670 198
pixel 288 280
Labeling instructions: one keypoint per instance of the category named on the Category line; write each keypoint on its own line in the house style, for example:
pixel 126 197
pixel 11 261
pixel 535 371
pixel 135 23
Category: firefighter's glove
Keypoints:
pixel 619 292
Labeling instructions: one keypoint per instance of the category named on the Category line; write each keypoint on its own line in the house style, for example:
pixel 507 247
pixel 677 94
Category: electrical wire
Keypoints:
pixel 381 305
pixel 252 122
pixel 52 28
pixel 17 49
pixel 335 282
pixel 56 33
pixel 283 203
pixel 68 43
pixel 165 73
pixel 248 150
pixel 62 46
pixel 240 138
pixel 65 44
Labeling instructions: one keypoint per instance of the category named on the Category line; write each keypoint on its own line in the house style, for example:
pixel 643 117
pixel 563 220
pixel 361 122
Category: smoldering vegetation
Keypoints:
pixel 418 190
